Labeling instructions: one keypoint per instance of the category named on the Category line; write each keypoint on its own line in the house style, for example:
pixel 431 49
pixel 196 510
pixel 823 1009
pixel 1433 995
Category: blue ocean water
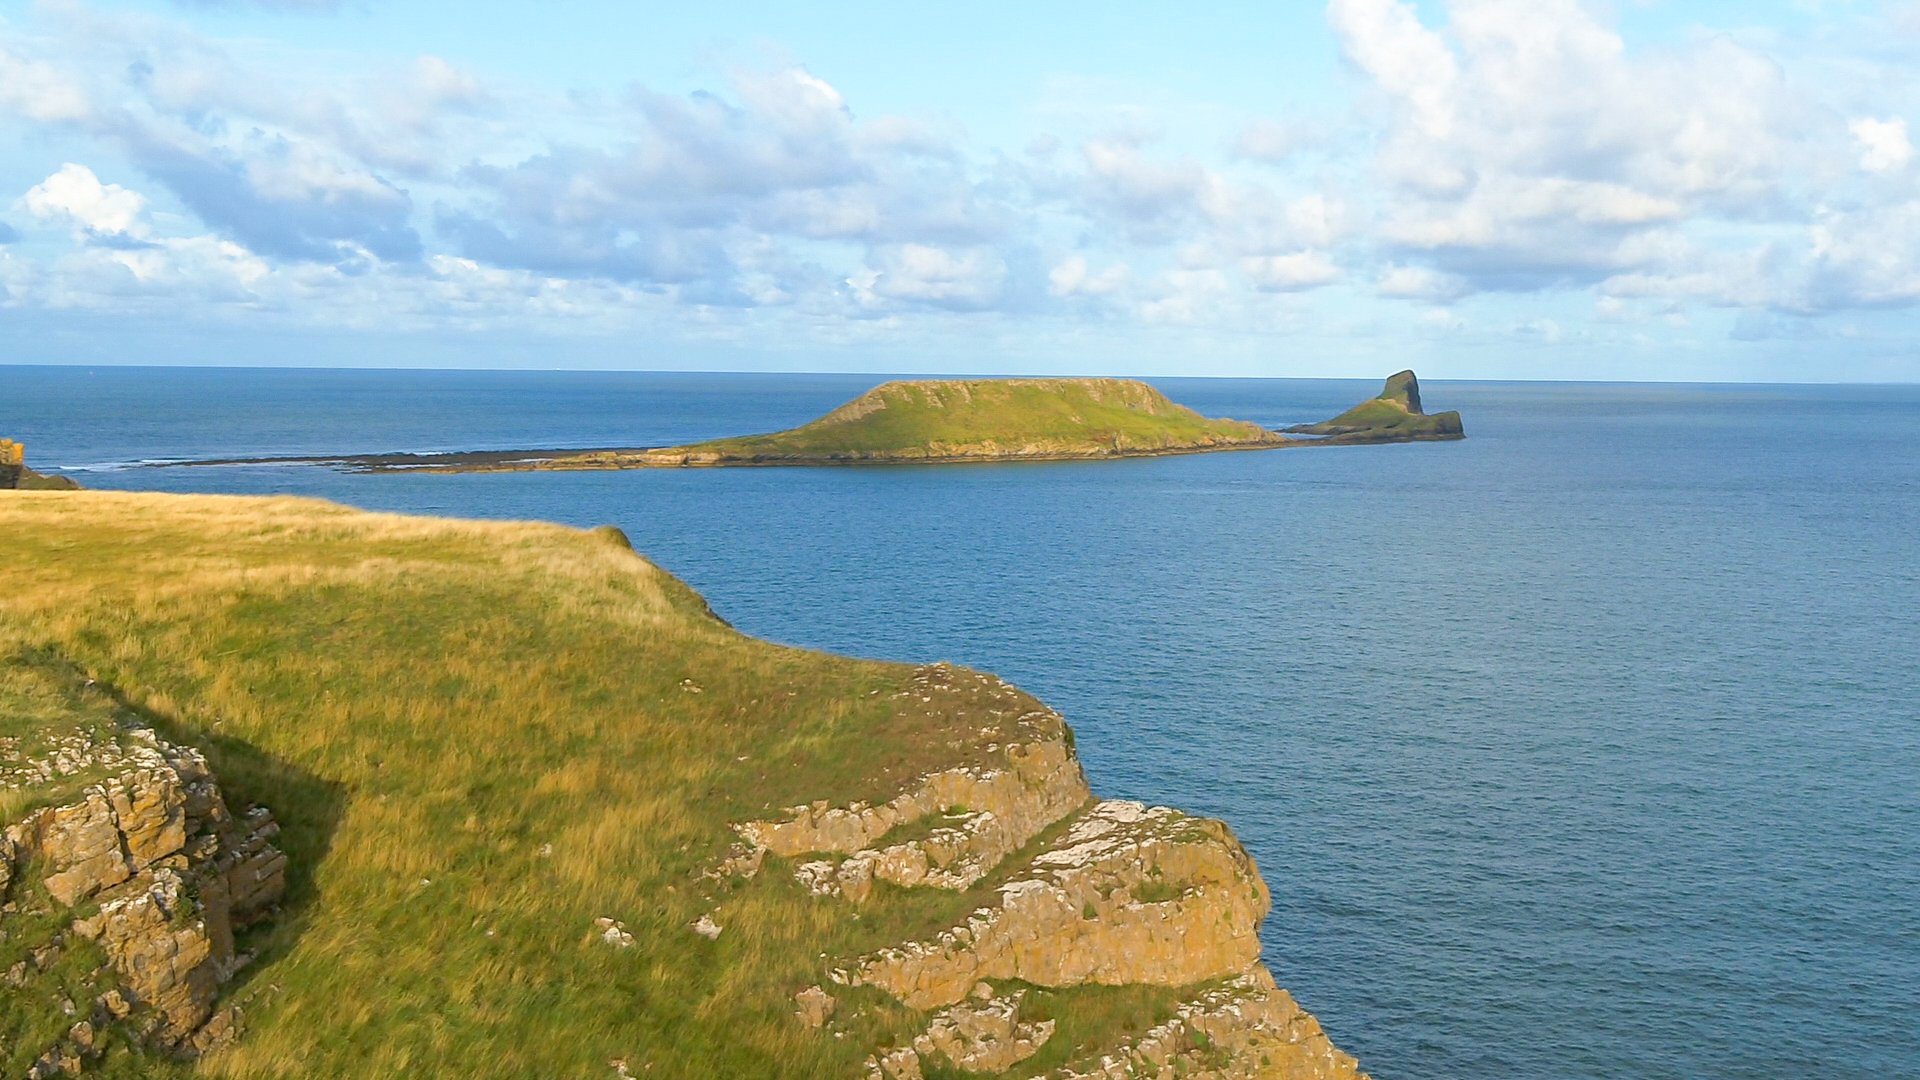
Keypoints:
pixel 1586 747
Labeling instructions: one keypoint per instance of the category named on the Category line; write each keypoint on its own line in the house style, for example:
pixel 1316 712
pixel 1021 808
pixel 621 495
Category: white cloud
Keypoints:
pixel 1074 276
pixel 76 195
pixel 1385 39
pixel 1884 146
pixel 41 91
pixel 1276 141
pixel 922 273
pixel 1186 296
pixel 1290 273
pixel 1421 283
pixel 1517 151
pixel 1527 147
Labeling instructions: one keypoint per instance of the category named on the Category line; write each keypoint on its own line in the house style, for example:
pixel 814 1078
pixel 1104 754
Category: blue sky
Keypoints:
pixel 1640 189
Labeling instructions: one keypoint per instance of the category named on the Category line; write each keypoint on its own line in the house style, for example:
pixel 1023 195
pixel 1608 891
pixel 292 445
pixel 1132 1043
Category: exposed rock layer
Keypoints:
pixel 1081 892
pixel 150 866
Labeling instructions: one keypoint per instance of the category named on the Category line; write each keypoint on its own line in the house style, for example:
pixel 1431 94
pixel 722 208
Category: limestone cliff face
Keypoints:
pixel 148 867
pixel 1083 891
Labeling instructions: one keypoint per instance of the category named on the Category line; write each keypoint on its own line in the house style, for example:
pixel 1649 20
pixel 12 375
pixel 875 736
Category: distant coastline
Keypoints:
pixel 949 422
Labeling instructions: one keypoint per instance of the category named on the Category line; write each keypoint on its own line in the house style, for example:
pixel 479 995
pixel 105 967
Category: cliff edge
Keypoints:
pixel 543 814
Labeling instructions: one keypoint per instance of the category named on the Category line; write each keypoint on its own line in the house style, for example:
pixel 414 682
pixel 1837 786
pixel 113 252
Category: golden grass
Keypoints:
pixel 478 737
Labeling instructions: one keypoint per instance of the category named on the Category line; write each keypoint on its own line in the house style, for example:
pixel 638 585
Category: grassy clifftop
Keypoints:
pixel 545 815
pixel 973 420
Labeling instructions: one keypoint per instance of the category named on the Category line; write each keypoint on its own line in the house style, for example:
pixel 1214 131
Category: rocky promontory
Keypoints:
pixel 543 814
pixel 1394 416
pixel 1082 891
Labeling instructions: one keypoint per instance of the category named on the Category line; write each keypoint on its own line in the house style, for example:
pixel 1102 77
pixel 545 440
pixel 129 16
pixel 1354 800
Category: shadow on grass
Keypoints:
pixel 307 807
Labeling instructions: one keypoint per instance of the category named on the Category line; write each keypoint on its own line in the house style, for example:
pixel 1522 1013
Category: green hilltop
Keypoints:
pixel 1394 416
pixel 950 420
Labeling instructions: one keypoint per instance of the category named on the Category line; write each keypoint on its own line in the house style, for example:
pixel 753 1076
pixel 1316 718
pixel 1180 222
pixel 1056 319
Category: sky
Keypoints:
pixel 1506 189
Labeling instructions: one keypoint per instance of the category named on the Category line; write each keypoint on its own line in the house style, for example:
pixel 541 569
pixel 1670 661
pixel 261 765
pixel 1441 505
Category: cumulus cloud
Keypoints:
pixel 1516 147
pixel 41 91
pixel 1884 146
pixel 76 195
pixel 1421 283
pixel 1290 273
pixel 1075 276
pixel 1524 146
pixel 938 277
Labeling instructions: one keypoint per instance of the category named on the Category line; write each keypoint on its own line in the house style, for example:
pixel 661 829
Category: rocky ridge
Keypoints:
pixel 130 891
pixel 1083 892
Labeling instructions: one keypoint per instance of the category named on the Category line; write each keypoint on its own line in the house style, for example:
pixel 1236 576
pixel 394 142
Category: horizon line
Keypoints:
pixel 934 375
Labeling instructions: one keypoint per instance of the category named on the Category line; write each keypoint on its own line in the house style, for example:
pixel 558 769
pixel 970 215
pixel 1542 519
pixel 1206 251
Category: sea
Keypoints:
pixel 1588 746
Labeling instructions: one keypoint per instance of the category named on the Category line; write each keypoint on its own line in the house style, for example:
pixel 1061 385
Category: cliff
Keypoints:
pixel 1394 416
pixel 14 473
pixel 544 814
pixel 123 880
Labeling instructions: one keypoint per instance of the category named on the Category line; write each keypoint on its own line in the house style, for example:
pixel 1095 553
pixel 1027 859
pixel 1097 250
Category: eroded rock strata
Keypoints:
pixel 132 890
pixel 1083 891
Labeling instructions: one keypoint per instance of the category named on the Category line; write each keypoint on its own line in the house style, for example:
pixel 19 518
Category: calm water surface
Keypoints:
pixel 1586 747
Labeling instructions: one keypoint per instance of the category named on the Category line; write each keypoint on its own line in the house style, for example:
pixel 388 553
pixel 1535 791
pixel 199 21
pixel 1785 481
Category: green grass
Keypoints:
pixel 41 700
pixel 1395 414
pixel 956 418
pixel 477 738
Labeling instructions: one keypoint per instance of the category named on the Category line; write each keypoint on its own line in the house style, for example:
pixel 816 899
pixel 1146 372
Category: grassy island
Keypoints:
pixel 956 420
pixel 512 801
pixel 946 421
pixel 1394 416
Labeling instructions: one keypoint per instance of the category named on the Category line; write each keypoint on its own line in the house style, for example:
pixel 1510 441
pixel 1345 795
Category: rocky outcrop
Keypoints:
pixel 1129 894
pixel 15 474
pixel 983 1034
pixel 148 866
pixel 1246 1029
pixel 1081 892
pixel 974 818
pixel 1394 416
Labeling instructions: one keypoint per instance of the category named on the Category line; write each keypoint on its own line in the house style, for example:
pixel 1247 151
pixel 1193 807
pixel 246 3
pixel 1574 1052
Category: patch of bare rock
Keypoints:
pixel 150 868
pixel 1081 892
